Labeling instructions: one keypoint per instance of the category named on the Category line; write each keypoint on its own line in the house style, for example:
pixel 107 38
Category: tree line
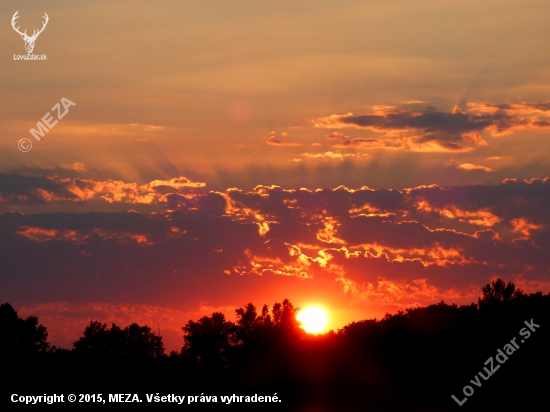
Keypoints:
pixel 401 356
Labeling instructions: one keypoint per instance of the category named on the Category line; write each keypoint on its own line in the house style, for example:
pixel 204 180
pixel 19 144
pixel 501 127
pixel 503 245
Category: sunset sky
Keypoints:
pixel 362 156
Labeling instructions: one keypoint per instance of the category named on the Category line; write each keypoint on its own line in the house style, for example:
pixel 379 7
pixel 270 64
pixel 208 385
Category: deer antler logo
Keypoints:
pixel 29 40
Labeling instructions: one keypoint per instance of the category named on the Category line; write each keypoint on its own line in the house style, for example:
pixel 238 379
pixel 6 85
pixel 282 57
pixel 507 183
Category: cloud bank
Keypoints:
pixel 376 249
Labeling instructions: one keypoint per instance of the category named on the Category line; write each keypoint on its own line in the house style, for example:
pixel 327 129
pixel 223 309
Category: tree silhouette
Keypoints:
pixel 252 326
pixel 216 343
pixel 499 291
pixel 136 343
pixel 20 338
pixel 141 343
pixel 95 341
pixel 284 316
pixel 208 341
pixel 248 323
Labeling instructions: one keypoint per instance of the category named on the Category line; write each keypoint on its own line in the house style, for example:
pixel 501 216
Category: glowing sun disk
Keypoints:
pixel 313 319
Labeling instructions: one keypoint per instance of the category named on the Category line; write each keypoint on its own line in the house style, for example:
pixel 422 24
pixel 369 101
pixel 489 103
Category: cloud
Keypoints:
pixel 522 226
pixel 146 127
pixel 428 129
pixel 384 248
pixel 469 166
pixel 342 141
pixel 273 140
pixel 497 157
pixel 15 189
pixel 335 155
pixel 76 166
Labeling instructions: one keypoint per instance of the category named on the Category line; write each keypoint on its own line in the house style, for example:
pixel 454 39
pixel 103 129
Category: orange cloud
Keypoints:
pixel 55 189
pixel 430 130
pixel 39 234
pixel 479 217
pixel 469 166
pixel 523 226
pixel 272 140
pixel 400 294
pixel 335 155
pixel 76 166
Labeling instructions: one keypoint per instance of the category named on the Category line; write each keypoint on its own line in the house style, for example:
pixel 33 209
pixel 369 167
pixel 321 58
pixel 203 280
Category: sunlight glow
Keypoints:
pixel 313 319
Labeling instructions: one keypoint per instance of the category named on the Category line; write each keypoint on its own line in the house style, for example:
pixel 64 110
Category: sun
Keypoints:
pixel 313 319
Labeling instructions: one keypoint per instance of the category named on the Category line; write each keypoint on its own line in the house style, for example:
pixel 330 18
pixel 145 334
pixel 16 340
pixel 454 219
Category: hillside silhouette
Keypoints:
pixel 413 360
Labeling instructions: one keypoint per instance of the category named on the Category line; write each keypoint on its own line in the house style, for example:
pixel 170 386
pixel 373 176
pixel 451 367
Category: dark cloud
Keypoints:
pixel 428 129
